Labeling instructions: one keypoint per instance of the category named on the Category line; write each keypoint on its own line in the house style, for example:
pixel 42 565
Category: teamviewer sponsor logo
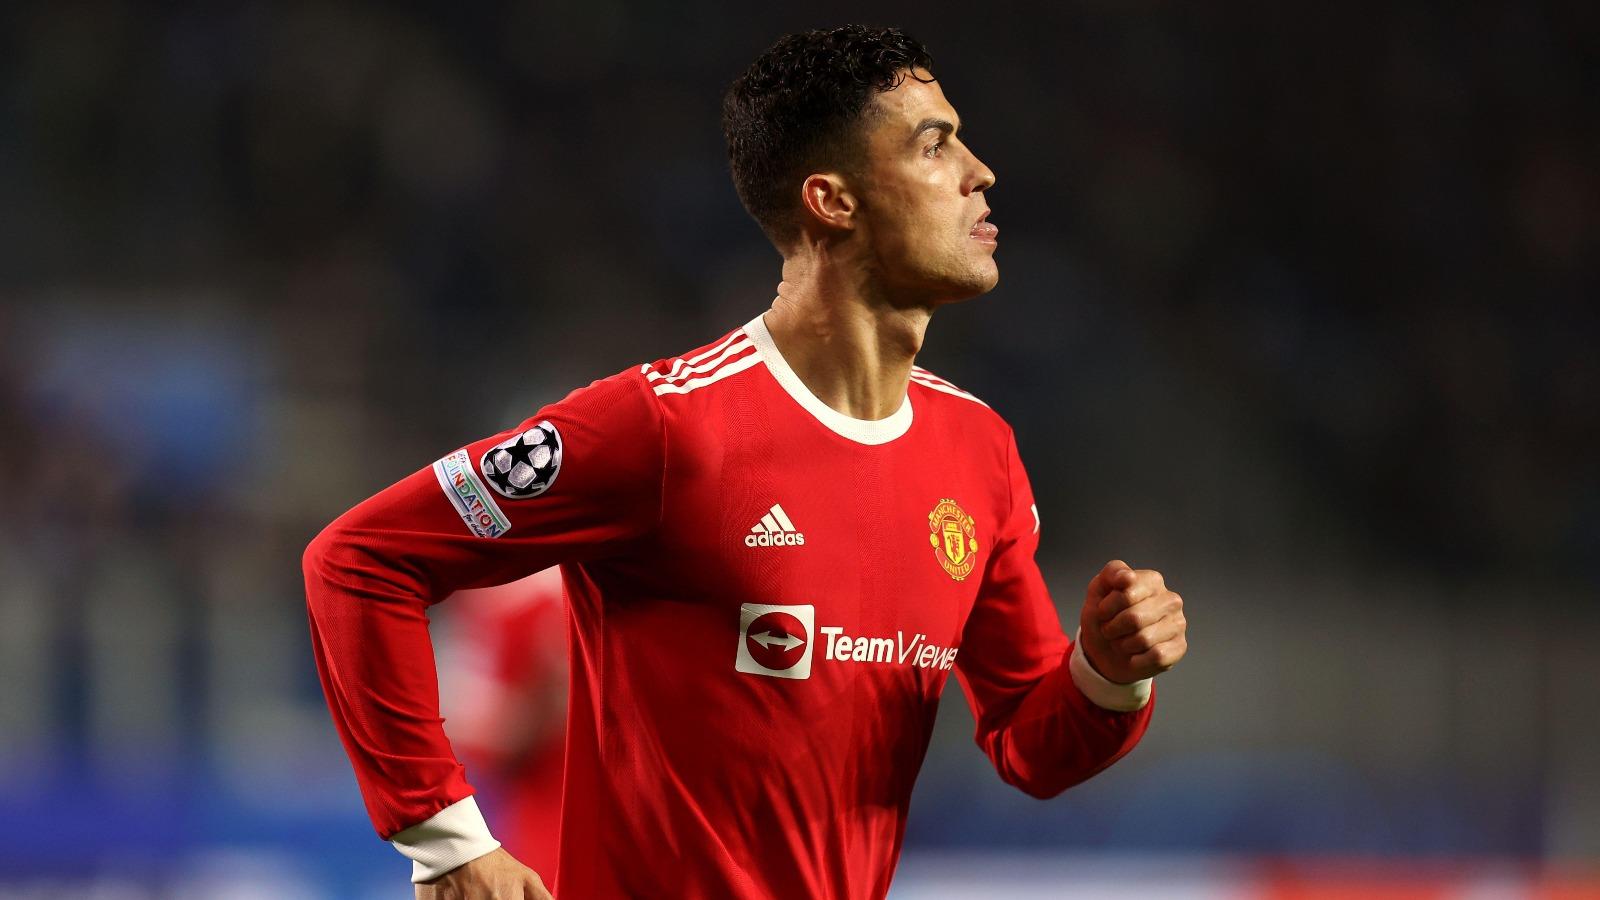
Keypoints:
pixel 913 650
pixel 775 640
pixel 774 530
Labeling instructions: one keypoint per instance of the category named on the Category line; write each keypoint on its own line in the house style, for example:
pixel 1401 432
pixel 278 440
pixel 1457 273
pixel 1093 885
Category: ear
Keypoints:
pixel 827 201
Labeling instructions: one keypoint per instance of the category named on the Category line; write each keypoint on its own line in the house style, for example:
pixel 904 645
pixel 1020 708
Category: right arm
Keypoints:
pixel 372 574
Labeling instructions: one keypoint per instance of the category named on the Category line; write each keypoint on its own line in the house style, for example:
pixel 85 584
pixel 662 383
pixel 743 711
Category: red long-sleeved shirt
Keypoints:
pixel 766 599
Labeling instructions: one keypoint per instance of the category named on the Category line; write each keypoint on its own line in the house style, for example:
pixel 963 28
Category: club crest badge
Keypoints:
pixel 954 538
pixel 524 465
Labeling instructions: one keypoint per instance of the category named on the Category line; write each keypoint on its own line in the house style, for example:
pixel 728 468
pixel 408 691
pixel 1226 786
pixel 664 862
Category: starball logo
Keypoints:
pixel 777 641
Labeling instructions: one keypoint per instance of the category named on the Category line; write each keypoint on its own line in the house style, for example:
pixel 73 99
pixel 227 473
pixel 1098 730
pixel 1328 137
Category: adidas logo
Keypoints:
pixel 774 530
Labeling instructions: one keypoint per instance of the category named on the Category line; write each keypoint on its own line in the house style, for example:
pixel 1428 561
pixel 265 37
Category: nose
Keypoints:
pixel 982 177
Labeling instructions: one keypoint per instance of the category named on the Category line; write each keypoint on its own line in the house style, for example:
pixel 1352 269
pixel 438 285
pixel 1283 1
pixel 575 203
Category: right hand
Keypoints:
pixel 493 876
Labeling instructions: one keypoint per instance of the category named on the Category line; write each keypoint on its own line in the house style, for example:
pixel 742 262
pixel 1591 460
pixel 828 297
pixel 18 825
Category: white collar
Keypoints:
pixel 862 431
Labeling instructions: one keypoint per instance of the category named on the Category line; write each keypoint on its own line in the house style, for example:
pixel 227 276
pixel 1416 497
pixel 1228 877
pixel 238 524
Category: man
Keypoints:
pixel 776 547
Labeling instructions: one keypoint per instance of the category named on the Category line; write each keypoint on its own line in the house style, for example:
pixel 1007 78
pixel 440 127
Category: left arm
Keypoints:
pixel 1048 717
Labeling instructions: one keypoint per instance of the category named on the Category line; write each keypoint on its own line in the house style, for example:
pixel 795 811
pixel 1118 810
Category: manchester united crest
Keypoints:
pixel 954 538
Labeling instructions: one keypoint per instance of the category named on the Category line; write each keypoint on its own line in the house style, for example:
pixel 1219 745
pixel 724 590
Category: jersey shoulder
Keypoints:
pixel 701 367
pixel 932 382
pixel 948 398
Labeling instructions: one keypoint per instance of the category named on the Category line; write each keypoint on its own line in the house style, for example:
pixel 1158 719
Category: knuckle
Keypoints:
pixel 1175 652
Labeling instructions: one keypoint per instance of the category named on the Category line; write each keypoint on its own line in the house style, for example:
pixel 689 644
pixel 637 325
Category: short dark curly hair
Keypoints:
pixel 799 109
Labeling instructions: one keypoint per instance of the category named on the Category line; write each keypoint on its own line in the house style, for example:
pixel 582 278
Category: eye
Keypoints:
pixel 934 149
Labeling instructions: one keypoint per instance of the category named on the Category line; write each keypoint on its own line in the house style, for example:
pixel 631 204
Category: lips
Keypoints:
pixel 984 230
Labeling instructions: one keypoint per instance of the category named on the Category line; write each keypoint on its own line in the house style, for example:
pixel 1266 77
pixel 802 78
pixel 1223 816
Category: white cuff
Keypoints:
pixel 451 838
pixel 1102 693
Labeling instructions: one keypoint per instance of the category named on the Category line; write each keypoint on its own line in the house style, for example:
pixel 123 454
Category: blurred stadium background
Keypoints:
pixel 1298 305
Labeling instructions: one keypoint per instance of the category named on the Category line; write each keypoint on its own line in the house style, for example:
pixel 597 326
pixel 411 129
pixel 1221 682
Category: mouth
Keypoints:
pixel 983 231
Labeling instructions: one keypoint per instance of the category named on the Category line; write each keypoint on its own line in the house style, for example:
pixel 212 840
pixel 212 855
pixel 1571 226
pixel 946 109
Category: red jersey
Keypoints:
pixel 766 598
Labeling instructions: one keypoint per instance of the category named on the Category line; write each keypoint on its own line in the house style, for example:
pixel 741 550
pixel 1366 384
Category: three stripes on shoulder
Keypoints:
pixel 929 380
pixel 736 353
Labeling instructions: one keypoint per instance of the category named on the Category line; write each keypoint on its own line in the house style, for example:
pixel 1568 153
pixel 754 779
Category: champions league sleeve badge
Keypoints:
pixel 524 465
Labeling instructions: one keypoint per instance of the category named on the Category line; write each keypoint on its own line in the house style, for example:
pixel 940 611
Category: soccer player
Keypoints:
pixel 776 548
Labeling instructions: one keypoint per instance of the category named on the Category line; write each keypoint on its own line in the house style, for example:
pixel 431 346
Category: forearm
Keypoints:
pixel 369 630
pixel 1062 732
pixel 374 656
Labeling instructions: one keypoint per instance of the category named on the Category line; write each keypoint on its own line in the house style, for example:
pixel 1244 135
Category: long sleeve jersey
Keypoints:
pixel 766 598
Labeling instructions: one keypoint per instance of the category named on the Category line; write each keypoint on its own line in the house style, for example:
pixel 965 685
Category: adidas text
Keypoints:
pixel 792 539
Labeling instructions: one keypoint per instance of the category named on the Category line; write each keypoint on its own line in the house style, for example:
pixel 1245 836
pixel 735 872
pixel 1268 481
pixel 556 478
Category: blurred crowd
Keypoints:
pixel 1299 300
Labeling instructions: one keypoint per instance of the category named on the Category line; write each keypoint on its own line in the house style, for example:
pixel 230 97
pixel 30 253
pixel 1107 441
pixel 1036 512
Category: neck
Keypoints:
pixel 851 347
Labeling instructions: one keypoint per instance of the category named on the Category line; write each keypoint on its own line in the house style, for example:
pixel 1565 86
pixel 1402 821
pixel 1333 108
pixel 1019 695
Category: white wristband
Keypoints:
pixel 449 839
pixel 1101 692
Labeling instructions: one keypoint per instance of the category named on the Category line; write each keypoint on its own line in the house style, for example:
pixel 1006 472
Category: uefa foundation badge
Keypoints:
pixel 775 640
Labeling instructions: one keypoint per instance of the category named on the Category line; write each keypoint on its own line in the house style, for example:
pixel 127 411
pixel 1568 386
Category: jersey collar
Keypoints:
pixel 862 431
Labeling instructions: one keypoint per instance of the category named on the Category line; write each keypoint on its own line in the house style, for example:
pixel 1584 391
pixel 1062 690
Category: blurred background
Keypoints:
pixel 1298 304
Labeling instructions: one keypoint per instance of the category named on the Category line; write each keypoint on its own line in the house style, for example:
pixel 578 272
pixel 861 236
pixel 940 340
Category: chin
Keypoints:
pixel 954 283
pixel 989 279
pixel 969 290
pixel 980 282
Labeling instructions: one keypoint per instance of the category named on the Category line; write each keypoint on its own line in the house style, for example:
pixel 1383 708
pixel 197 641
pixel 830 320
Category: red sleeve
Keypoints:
pixel 574 482
pixel 1036 725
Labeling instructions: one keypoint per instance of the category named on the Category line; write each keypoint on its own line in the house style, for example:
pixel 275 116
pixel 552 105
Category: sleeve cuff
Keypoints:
pixel 1102 693
pixel 451 838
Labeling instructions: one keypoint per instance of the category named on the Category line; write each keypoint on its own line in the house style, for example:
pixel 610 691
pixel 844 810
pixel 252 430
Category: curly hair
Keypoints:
pixel 799 109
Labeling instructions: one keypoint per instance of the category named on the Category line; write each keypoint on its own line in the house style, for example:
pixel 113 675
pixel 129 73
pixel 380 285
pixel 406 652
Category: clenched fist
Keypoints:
pixel 492 876
pixel 1132 627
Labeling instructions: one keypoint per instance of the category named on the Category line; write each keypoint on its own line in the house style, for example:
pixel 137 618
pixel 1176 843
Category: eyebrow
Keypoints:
pixel 933 122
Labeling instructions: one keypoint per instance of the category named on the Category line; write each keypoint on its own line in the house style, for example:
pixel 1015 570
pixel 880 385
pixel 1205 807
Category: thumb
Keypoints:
pixel 1113 576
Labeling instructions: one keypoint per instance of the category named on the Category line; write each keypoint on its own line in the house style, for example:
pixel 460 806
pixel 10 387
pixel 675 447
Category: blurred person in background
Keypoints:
pixel 719 514
pixel 503 686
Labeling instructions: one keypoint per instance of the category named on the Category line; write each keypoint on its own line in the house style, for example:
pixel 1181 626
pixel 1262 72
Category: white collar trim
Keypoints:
pixel 862 431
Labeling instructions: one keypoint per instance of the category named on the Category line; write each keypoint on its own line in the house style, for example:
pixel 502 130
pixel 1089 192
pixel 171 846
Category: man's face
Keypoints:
pixel 922 207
